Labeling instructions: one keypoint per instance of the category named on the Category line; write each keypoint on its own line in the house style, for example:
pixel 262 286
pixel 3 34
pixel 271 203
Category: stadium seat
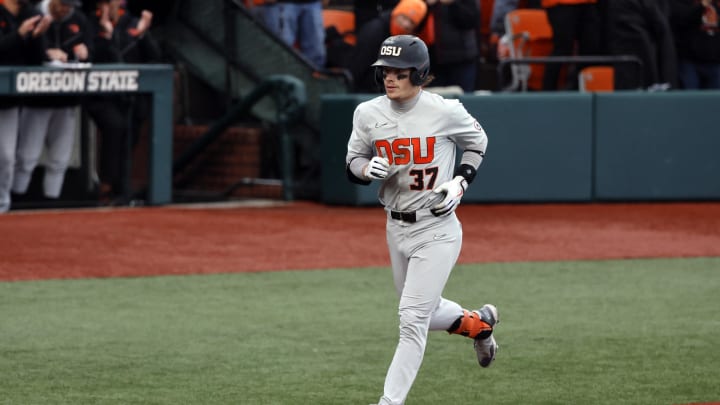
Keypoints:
pixel 343 21
pixel 597 78
pixel 530 35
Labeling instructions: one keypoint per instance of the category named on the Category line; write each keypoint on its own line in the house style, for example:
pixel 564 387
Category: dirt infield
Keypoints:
pixel 191 240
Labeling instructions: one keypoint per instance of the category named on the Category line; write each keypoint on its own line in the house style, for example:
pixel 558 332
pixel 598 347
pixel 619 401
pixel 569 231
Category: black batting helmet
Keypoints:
pixel 404 52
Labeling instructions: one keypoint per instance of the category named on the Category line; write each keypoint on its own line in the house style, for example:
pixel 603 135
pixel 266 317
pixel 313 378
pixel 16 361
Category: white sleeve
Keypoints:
pixel 359 149
pixel 468 135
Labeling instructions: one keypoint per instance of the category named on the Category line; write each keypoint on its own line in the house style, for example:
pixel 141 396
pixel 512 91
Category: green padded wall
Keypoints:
pixel 569 147
pixel 335 127
pixel 540 148
pixel 658 146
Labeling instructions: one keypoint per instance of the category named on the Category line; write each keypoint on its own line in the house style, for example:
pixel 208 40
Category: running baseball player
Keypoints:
pixel 407 140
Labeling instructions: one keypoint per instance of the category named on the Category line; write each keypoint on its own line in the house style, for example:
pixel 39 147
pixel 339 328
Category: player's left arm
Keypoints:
pixel 467 133
pixel 470 136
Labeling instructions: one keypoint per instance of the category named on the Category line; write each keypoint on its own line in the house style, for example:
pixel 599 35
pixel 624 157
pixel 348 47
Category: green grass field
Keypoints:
pixel 594 332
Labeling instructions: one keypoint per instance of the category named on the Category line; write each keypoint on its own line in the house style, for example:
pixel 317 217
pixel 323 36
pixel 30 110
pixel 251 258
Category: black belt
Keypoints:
pixel 404 216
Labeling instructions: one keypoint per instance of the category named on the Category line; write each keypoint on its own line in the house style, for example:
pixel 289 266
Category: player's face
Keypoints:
pixel 397 84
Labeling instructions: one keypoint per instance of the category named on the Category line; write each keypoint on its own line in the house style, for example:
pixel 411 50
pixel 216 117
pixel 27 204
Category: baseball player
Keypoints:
pixel 21 30
pixel 407 140
pixel 51 121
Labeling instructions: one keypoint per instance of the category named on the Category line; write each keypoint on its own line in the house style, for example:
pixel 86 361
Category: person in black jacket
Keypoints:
pixel 577 30
pixel 21 31
pixel 50 123
pixel 642 28
pixel 120 37
pixel 368 10
pixel 454 50
pixel 697 39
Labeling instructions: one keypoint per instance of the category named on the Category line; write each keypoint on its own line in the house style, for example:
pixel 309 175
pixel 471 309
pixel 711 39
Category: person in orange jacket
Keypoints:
pixel 572 21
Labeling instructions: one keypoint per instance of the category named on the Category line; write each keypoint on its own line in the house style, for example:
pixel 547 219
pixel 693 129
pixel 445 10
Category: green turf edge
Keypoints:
pixel 588 332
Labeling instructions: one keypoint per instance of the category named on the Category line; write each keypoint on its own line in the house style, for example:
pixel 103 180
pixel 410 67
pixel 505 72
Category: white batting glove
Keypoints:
pixel 454 190
pixel 377 168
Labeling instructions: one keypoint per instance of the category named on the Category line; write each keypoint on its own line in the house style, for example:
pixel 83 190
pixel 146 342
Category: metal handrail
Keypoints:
pixel 589 59
pixel 290 98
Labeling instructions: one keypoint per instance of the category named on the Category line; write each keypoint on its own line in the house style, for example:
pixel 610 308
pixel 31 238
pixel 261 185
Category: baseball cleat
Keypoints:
pixel 487 347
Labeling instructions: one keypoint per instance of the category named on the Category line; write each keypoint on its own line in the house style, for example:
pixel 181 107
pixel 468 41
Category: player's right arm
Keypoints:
pixel 361 166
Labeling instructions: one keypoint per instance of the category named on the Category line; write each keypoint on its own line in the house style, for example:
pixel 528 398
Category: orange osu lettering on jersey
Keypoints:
pixel 401 151
pixel 404 150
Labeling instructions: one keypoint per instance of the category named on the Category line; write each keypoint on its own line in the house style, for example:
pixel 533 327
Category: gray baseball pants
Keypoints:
pixel 8 141
pixel 39 127
pixel 422 255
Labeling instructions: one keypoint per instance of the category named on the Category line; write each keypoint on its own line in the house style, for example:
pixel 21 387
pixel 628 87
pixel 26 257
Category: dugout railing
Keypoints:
pixel 87 80
pixel 288 96
pixel 518 82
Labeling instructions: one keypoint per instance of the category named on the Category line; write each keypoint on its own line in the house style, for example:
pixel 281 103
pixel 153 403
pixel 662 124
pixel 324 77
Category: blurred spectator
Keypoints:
pixel 577 30
pixel 408 17
pixel 368 10
pixel 642 28
pixel 257 9
pixel 21 30
pixel 299 23
pixel 497 47
pixel 498 44
pixel 119 38
pixel 697 40
pixel 500 10
pixel 50 123
pixel 454 48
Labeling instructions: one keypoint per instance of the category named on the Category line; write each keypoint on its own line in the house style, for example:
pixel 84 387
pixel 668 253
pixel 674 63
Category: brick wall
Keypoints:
pixel 234 156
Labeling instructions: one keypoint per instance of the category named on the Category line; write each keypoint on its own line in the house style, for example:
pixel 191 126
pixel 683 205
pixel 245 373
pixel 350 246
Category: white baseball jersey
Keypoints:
pixel 419 143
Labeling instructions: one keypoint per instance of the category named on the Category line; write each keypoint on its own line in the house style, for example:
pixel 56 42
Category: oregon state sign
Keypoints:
pixel 76 81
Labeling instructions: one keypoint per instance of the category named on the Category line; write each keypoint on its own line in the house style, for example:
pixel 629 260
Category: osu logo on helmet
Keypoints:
pixel 388 50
